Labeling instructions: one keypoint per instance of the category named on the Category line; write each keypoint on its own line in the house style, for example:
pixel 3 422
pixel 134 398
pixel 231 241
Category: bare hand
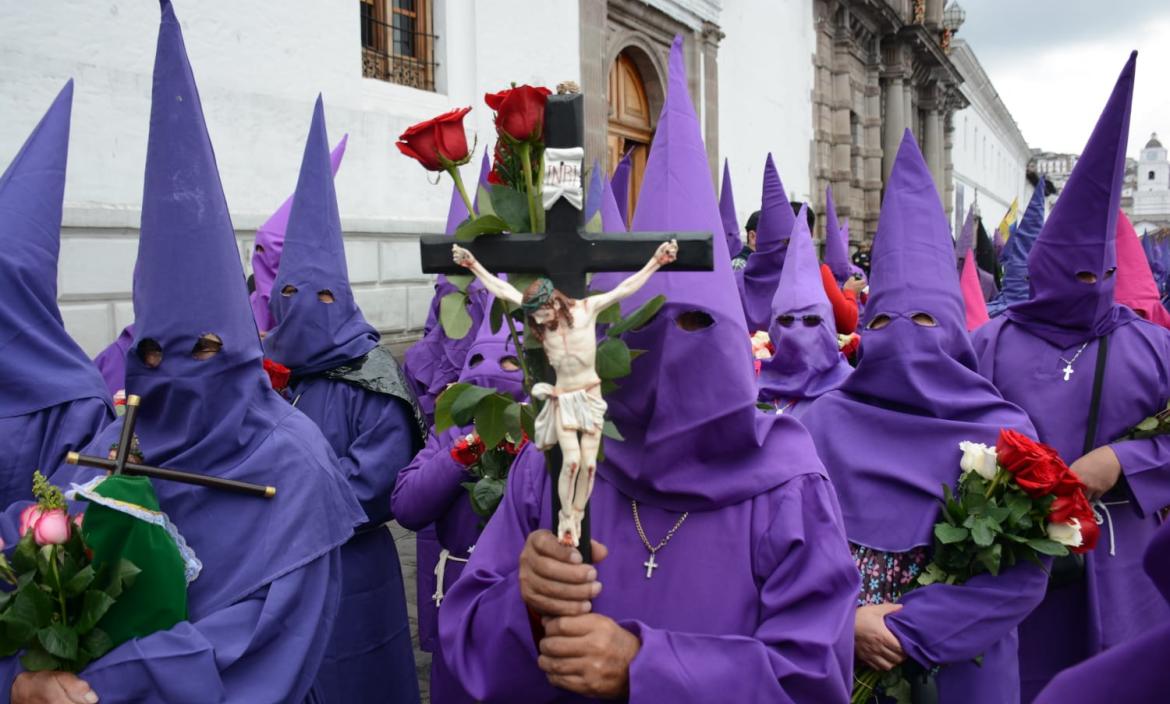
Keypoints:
pixel 667 253
pixel 1099 470
pixel 589 655
pixel 462 256
pixel 553 580
pixel 50 687
pixel 856 284
pixel 876 646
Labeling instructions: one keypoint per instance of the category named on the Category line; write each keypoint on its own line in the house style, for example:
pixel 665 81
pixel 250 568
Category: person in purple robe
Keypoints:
pixel 807 361
pixel 717 537
pixel 889 437
pixel 430 491
pixel 353 389
pixel 761 274
pixel 836 243
pixel 52 399
pixel 621 186
pixel 111 362
pixel 268 245
pixel 1044 354
pixel 1014 286
pixel 434 361
pixel 260 611
pixel 1134 671
pixel 727 214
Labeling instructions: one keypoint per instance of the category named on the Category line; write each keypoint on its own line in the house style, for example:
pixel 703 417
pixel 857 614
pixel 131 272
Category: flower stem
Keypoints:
pixel 995 482
pixel 57 582
pixel 454 171
pixel 865 686
pixel 526 166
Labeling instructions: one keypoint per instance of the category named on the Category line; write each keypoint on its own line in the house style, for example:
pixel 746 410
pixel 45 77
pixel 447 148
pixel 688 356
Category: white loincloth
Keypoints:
pixel 575 410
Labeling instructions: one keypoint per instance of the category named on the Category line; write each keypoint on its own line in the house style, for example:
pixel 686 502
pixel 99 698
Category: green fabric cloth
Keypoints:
pixel 158 598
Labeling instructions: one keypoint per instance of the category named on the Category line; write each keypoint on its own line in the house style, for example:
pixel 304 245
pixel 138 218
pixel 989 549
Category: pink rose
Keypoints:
pixel 52 528
pixel 28 518
pixel 77 519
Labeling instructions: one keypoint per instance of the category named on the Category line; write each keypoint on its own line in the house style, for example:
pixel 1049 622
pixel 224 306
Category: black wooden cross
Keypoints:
pixel 565 253
pixel 121 463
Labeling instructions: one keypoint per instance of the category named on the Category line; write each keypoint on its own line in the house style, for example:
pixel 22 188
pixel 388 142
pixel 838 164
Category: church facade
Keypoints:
pixel 826 86
pixel 1151 189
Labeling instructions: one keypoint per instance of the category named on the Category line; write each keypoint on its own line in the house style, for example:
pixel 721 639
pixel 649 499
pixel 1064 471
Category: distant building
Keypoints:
pixel 1055 168
pixel 1151 197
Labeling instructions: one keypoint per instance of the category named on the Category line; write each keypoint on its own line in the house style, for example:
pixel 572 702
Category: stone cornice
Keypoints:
pixel 692 13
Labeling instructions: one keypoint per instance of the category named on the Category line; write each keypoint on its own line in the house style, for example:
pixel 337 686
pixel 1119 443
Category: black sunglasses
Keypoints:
pixel 810 321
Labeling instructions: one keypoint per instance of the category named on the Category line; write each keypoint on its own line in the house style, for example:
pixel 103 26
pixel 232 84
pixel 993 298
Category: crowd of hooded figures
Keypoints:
pixel 755 532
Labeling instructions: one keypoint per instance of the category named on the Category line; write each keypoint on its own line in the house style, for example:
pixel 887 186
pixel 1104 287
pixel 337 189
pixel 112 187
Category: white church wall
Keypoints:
pixel 986 164
pixel 765 88
pixel 259 71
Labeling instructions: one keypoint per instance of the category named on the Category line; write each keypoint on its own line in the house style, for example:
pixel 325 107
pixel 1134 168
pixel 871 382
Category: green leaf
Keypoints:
pixel 521 282
pixel 80 581
pixel 460 281
pixel 983 531
pixel 989 557
pixel 613 359
pixel 528 419
pixel 96 643
pixel 513 425
pixel 24 557
pixel 483 199
pixel 453 315
pixel 1147 424
pixel 94 605
pixel 511 206
pixel 482 225
pixel 1018 506
pixel 463 408
pixel 37 660
pixel 32 609
pixel 611 315
pixel 1044 546
pixel 486 496
pixel 948 534
pixel 489 419
pixel 639 317
pixel 496 315
pixel 610 430
pixel 59 641
pixel 443 404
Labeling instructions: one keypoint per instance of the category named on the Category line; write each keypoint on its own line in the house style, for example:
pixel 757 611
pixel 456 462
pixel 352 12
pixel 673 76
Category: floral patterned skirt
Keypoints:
pixel 885 576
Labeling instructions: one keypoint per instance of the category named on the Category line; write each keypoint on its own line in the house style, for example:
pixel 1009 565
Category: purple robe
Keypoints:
pixel 727 214
pixel 52 399
pixel 889 437
pixel 621 186
pixel 111 361
pixel 836 242
pixel 761 275
pixel 367 421
pixel 807 362
pixel 763 539
pixel 1132 672
pixel 261 610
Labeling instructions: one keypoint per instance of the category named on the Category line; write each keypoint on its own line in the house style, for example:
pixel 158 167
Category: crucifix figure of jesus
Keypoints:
pixel 574 411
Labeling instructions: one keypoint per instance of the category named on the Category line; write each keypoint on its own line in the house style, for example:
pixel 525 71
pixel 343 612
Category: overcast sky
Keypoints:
pixel 1054 63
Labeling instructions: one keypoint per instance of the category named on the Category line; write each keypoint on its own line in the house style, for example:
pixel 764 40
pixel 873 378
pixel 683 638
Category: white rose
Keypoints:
pixel 1066 533
pixel 978 458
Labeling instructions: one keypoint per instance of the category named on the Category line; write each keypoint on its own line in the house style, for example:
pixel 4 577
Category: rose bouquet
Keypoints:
pixel 488 468
pixel 58 596
pixel 1014 502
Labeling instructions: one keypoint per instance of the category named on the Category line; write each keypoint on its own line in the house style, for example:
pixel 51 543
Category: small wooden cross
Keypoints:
pixel 565 253
pixel 121 463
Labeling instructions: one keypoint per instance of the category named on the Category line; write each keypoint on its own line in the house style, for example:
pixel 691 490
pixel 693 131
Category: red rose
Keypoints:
pixel 467 450
pixel 514 449
pixel 437 141
pixel 278 374
pixel 519 111
pixel 1036 467
pixel 1075 506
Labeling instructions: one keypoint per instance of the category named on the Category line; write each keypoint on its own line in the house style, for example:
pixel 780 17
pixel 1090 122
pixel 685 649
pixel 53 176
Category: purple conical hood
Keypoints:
pixel 762 272
pixel 1014 287
pixel 966 241
pixel 486 357
pixel 836 242
pixel 727 214
pixel 40 364
pixel 611 217
pixel 270 243
pixel 621 186
pixel 915 381
pixel 457 211
pixel 312 335
pixel 807 361
pixel 1080 236
pixel 668 458
pixel 593 194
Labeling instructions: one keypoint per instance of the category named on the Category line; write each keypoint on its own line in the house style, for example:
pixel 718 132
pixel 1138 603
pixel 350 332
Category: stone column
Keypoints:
pixel 932 147
pixel 594 82
pixel 711 36
pixel 934 13
pixel 893 124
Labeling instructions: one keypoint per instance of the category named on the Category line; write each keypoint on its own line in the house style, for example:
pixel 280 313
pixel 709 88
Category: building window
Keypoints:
pixel 1150 176
pixel 397 43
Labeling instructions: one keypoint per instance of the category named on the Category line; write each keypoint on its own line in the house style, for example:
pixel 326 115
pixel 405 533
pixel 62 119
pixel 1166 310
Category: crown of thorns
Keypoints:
pixel 539 298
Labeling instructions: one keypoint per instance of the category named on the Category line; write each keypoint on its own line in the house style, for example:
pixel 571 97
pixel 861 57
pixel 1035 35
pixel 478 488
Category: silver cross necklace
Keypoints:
pixel 650 564
pixel 1068 363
